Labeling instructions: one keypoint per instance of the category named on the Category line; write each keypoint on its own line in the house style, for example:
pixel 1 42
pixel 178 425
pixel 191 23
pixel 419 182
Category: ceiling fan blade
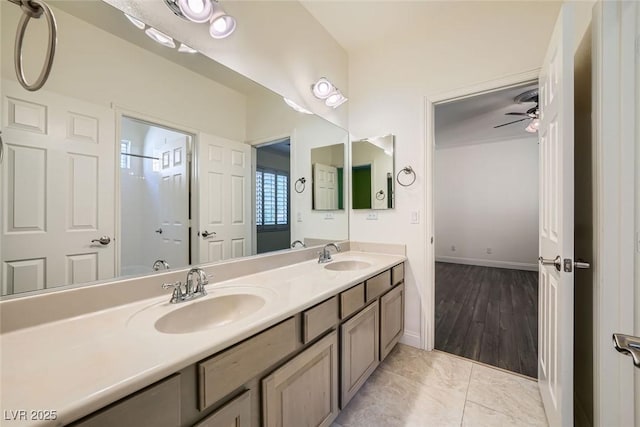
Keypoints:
pixel 516 114
pixel 510 123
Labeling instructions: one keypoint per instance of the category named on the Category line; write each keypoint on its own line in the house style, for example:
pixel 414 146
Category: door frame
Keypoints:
pixel 427 313
pixel 120 113
pixel 614 29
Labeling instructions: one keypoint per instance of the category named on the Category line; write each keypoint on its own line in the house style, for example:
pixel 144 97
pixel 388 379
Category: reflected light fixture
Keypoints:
pixel 221 24
pixel 296 107
pixel 533 126
pixel 138 23
pixel 160 37
pixel 186 49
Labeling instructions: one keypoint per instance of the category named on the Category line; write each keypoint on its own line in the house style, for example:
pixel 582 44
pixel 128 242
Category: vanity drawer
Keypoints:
pixel 319 319
pixel 221 374
pixel 397 274
pixel 351 300
pixel 378 285
pixel 156 405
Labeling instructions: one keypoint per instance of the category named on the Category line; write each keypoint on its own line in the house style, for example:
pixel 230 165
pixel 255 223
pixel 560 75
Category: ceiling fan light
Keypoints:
pixel 160 37
pixel 221 24
pixel 323 88
pixel 138 23
pixel 196 10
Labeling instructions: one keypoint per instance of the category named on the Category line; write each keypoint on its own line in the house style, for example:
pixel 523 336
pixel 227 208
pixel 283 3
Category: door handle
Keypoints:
pixel 206 234
pixel 555 262
pixel 104 240
pixel 629 345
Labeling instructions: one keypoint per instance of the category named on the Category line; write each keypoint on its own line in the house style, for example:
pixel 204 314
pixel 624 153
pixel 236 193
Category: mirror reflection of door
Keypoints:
pixel 154 196
pixel 361 179
pixel 272 213
pixel 325 187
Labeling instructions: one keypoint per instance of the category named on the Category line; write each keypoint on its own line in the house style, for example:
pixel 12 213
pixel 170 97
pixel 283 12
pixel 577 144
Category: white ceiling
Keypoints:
pixel 472 120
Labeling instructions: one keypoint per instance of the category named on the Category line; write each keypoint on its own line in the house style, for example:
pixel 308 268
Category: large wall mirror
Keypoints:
pixel 372 173
pixel 137 157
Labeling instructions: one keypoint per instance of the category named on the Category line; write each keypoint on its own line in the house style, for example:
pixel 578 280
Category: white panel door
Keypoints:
pixel 174 202
pixel 555 350
pixel 325 186
pixel 224 180
pixel 57 190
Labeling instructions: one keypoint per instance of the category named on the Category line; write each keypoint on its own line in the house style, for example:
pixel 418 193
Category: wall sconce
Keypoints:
pixel 324 89
pixel 221 25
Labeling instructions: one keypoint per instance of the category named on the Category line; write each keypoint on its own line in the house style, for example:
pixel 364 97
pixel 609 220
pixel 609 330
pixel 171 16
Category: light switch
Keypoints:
pixel 299 216
pixel 415 217
pixel 329 215
pixel 372 216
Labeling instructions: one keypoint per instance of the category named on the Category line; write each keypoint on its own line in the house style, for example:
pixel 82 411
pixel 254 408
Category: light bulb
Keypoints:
pixel 222 25
pixel 322 88
pixel 196 10
pixel 335 100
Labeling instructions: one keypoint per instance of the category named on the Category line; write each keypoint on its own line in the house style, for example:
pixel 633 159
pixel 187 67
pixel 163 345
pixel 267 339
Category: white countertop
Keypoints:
pixel 78 365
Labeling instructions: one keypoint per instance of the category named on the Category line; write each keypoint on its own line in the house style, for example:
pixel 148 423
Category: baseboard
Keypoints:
pixel 411 338
pixel 488 263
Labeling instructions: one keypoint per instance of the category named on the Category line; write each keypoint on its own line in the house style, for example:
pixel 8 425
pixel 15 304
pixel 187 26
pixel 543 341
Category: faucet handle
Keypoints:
pixel 177 294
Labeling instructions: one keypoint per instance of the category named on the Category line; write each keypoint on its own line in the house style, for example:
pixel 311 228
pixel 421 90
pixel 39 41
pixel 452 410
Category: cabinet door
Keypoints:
pixel 360 350
pixel 236 413
pixel 391 319
pixel 304 392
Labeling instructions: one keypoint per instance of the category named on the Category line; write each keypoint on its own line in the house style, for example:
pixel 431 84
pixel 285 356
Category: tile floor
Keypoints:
pixel 417 388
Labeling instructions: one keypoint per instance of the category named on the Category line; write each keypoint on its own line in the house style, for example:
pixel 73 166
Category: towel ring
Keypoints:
pixel 300 183
pixel 34 9
pixel 380 195
pixel 408 170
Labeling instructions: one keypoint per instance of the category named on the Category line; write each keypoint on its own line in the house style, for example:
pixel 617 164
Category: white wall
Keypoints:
pixel 277 44
pixel 466 43
pixel 486 196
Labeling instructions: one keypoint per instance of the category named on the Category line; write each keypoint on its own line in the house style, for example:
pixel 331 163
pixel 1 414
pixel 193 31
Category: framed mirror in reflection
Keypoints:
pixel 136 157
pixel 372 173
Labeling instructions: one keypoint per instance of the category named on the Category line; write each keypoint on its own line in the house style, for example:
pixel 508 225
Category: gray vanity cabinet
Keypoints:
pixel 304 391
pixel 391 319
pixel 360 350
pixel 236 413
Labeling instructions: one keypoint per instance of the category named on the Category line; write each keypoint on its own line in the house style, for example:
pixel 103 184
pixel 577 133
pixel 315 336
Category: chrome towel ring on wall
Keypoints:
pixel 300 184
pixel 408 170
pixel 34 9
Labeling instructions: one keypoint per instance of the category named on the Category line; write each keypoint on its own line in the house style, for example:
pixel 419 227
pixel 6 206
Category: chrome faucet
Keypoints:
pixel 190 291
pixel 160 263
pixel 324 255
pixel 296 242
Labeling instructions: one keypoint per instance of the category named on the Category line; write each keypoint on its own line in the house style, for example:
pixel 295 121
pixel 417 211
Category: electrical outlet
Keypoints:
pixel 329 215
pixel 453 248
pixel 489 251
pixel 299 216
pixel 372 216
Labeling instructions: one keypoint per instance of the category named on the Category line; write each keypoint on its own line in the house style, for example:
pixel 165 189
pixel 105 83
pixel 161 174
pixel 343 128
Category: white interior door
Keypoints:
pixel 174 201
pixel 224 180
pixel 555 349
pixel 57 190
pixel 325 186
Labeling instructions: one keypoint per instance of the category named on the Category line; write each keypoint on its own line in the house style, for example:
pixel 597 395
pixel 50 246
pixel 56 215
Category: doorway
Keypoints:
pixel 155 188
pixel 486 228
pixel 272 213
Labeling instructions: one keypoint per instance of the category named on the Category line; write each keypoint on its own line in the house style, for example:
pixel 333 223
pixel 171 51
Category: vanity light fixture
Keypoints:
pixel 186 49
pixel 296 107
pixel 222 25
pixel 160 37
pixel 324 89
pixel 138 23
pixel 198 11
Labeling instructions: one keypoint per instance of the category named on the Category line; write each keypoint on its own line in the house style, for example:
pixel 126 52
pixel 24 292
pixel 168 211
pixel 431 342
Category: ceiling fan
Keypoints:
pixel 532 114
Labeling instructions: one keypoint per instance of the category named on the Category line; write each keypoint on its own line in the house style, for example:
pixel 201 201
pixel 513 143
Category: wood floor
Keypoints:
pixel 489 315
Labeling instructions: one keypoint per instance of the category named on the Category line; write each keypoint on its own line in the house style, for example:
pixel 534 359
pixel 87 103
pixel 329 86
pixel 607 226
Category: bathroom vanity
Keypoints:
pixel 296 359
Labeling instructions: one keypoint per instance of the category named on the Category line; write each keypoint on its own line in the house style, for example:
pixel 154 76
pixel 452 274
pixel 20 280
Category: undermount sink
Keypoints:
pixel 347 265
pixel 210 313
